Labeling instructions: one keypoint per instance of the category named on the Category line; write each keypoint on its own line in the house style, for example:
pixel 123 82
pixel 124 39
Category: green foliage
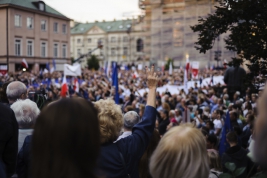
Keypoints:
pixel 93 62
pixel 167 65
pixel 245 21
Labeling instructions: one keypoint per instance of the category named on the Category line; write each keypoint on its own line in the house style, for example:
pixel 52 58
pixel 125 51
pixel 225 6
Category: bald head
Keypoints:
pixel 130 119
pixel 16 90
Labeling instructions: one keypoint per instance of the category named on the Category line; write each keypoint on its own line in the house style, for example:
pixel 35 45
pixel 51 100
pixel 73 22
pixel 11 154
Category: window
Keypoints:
pixel 43 49
pixel 64 28
pixel 18 51
pixel 30 48
pixel 139 45
pixel 125 39
pixel 43 25
pixel 64 50
pixel 41 6
pixel 55 27
pixel 125 51
pixel 30 23
pixel 17 20
pixel 89 40
pixel 79 40
pixel 113 51
pixel 55 50
pixel 113 39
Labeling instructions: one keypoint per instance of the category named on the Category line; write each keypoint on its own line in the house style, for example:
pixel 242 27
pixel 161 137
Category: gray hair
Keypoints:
pixel 26 112
pixel 15 89
pixel 130 119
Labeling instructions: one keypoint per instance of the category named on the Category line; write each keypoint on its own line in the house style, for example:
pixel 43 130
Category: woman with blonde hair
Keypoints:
pixel 180 153
pixel 215 163
pixel 121 159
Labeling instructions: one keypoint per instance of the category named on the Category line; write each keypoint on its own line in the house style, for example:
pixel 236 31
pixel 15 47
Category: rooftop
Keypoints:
pixel 30 4
pixel 109 26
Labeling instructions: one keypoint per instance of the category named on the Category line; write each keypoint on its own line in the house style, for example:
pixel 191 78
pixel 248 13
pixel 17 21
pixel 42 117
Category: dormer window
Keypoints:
pixel 41 6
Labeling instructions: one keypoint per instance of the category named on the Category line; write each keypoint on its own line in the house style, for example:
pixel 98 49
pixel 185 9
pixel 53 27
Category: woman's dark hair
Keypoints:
pixel 144 162
pixel 66 140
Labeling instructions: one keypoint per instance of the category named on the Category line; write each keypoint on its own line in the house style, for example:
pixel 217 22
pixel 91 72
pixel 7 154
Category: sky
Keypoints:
pixel 91 10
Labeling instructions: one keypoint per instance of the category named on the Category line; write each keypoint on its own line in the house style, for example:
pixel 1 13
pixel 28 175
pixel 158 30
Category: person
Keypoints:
pixel 211 141
pixel 163 122
pixel 180 149
pixel 130 119
pixel 144 162
pixel 246 130
pixel 234 79
pixel 214 163
pixel 8 139
pixel 217 122
pixel 236 154
pixel 2 170
pixel 121 159
pixel 16 90
pixel 65 141
pixel 26 112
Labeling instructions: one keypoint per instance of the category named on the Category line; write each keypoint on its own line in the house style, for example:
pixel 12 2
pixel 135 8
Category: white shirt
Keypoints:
pixel 123 135
pixel 23 133
pixel 217 125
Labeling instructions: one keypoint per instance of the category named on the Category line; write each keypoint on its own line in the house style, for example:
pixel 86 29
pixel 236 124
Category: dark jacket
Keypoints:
pixel 237 155
pixel 132 148
pixel 163 126
pixel 8 139
pixel 23 161
pixel 234 77
pixel 2 170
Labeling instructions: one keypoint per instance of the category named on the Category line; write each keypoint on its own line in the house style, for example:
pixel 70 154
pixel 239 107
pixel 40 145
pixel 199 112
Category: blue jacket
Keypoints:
pixel 132 148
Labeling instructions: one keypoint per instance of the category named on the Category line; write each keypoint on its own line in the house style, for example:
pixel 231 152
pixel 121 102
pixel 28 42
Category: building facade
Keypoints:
pixel 168 34
pixel 122 41
pixel 33 31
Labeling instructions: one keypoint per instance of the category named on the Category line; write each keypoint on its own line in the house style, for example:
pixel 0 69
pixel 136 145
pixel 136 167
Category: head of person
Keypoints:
pixel 3 95
pixel 216 114
pixel 211 141
pixel 210 125
pixel 250 118
pixel 66 140
pixel 233 116
pixel 214 160
pixel 180 149
pixel 164 114
pixel 16 90
pixel 26 112
pixel 110 120
pixel 232 138
pixel 130 119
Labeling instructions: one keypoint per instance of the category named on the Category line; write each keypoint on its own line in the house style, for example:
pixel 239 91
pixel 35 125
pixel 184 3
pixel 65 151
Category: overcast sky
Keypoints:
pixel 91 10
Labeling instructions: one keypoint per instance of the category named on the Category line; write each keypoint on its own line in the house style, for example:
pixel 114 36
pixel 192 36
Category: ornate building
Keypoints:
pixel 168 34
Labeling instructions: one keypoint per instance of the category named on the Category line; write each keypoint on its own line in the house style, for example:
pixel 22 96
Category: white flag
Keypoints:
pixel 70 70
pixel 170 69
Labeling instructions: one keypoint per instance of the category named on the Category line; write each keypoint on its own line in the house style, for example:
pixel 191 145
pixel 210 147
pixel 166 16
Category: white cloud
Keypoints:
pixel 91 10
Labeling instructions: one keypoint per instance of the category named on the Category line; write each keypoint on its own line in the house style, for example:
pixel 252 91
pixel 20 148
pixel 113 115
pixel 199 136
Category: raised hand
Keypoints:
pixel 152 78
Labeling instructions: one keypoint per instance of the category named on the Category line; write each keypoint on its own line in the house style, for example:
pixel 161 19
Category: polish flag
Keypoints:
pixel 135 75
pixel 76 85
pixel 24 63
pixel 64 88
pixel 187 67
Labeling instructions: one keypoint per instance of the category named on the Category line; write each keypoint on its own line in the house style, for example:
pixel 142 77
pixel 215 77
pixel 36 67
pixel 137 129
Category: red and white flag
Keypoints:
pixel 187 67
pixel 195 68
pixel 64 87
pixel 24 63
pixel 76 85
pixel 135 75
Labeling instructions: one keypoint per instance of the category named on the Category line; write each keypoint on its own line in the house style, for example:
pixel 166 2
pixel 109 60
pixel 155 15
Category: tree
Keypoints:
pixel 246 23
pixel 167 65
pixel 93 62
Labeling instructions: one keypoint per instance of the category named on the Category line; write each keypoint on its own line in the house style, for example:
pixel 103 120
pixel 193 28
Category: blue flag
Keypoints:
pixel 226 129
pixel 115 81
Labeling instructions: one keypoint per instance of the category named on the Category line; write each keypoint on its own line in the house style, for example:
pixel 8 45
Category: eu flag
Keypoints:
pixel 226 128
pixel 115 81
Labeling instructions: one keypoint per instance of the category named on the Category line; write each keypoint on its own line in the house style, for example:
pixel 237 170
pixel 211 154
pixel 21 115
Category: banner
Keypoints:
pixel 70 70
pixel 195 68
pixel 3 69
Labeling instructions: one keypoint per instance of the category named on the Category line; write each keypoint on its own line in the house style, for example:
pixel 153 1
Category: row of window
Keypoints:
pixel 44 26
pixel 113 51
pixel 112 40
pixel 44 49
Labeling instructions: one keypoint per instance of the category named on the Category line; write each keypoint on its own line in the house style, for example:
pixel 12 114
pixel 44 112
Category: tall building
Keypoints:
pixel 122 40
pixel 168 34
pixel 34 31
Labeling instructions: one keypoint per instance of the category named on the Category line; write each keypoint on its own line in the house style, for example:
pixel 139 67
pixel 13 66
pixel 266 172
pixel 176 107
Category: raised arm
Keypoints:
pixel 152 82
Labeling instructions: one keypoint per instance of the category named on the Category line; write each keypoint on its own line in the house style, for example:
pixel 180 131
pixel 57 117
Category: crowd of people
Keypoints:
pixel 211 130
